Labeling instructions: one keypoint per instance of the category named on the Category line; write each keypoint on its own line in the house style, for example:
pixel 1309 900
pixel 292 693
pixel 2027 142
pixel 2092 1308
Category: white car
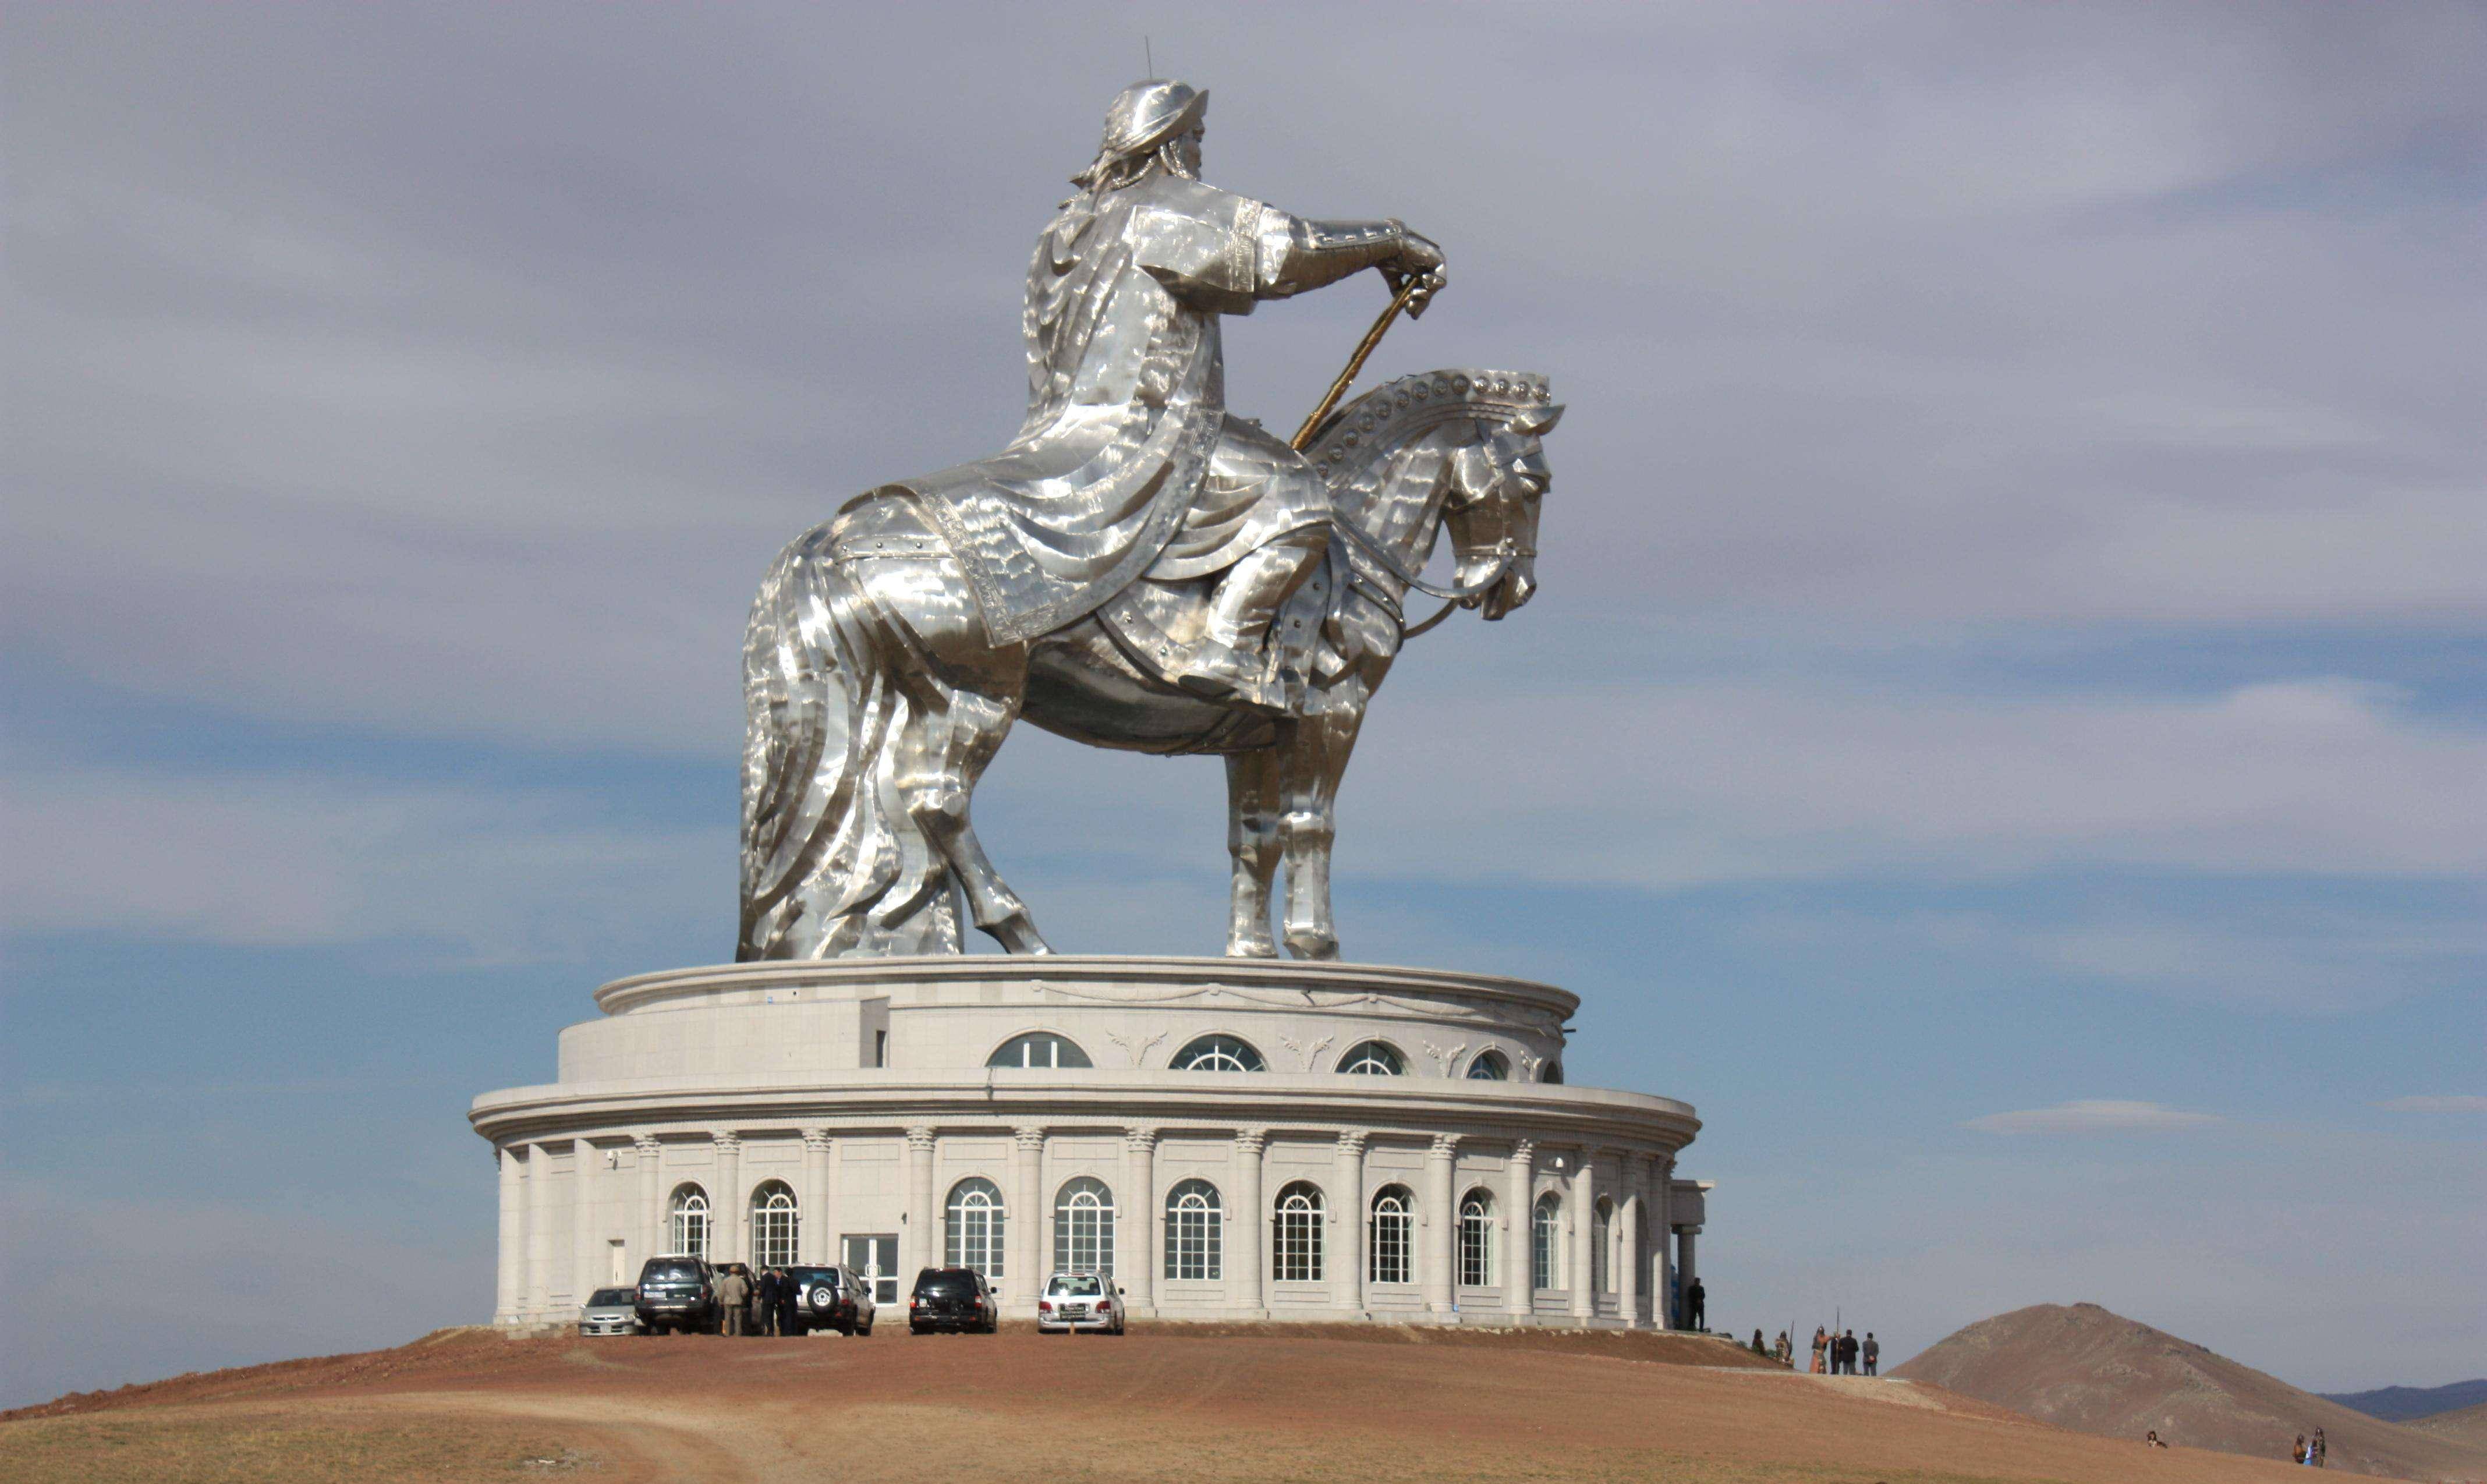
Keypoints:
pixel 1079 1300
pixel 610 1311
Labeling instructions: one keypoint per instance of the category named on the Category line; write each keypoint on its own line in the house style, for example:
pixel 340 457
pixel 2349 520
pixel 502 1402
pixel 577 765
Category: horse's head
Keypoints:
pixel 1497 484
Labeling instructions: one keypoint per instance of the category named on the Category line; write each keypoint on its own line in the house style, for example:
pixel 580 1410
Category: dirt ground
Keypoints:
pixel 1239 1403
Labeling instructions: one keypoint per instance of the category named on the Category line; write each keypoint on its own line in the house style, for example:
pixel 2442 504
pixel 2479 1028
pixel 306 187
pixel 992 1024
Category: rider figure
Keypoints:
pixel 1129 463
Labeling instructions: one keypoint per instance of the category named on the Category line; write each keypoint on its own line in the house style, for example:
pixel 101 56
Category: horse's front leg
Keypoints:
pixel 1315 758
pixel 943 750
pixel 1252 839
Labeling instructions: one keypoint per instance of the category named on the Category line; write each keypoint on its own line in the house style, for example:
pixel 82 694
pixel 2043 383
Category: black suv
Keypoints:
pixel 830 1298
pixel 952 1299
pixel 677 1293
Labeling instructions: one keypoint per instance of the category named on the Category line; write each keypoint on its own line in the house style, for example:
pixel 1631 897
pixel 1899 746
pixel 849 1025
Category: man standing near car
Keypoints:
pixel 733 1298
pixel 763 1314
pixel 788 1324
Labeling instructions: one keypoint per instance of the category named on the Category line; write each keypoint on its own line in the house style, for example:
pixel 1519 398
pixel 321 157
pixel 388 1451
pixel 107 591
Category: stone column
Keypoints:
pixel 585 1248
pixel 653 1234
pixel 1661 1232
pixel 539 1230
pixel 817 1237
pixel 1024 1229
pixel 1347 1209
pixel 1248 1223
pixel 1136 1222
pixel 920 1244
pixel 1441 1225
pixel 1519 1289
pixel 726 1213
pixel 1687 1271
pixel 509 1286
pixel 1627 1240
pixel 1585 1238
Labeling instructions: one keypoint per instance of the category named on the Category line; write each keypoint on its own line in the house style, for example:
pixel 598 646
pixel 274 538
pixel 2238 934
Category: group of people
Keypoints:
pixel 762 1306
pixel 1839 1354
pixel 2310 1451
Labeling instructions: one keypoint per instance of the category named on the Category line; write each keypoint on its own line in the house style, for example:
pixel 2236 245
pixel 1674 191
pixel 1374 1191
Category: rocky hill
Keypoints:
pixel 2083 1367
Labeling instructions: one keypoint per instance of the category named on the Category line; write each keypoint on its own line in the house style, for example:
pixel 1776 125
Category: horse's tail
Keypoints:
pixel 833 865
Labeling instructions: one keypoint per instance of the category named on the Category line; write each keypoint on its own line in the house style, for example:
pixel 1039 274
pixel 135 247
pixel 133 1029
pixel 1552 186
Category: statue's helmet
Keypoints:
pixel 1148 114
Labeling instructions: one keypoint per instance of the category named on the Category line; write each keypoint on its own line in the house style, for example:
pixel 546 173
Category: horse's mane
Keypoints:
pixel 1366 433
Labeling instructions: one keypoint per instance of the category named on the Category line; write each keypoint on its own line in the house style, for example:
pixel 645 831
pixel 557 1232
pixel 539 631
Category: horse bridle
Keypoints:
pixel 1506 552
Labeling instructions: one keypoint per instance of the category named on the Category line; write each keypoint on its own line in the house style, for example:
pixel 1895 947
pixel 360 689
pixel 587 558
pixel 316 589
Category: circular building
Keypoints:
pixel 1225 1138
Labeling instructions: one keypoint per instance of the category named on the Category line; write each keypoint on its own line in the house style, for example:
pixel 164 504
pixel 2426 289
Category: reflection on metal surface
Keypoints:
pixel 1138 570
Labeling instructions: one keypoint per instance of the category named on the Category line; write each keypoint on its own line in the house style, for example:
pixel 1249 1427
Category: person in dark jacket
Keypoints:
pixel 772 1284
pixel 787 1324
pixel 1697 1306
pixel 1873 1355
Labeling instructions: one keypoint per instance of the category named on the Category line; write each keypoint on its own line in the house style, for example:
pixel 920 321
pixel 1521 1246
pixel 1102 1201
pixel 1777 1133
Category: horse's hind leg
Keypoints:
pixel 943 750
pixel 1252 839
pixel 1315 757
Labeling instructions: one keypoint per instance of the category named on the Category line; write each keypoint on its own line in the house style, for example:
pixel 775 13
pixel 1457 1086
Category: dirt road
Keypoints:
pixel 1253 1405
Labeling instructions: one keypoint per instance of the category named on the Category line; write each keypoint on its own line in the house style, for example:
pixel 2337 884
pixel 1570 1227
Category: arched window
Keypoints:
pixel 1553 1073
pixel 1083 1227
pixel 1391 1247
pixel 690 1223
pixel 1476 1240
pixel 775 1223
pixel 1601 1264
pixel 1545 1243
pixel 975 1227
pixel 1490 1067
pixel 1218 1054
pixel 1038 1049
pixel 1372 1058
pixel 1299 1233
pixel 1195 1229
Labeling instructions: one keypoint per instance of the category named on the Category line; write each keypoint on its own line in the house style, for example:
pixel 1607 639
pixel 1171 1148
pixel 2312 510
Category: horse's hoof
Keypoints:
pixel 1312 945
pixel 1251 948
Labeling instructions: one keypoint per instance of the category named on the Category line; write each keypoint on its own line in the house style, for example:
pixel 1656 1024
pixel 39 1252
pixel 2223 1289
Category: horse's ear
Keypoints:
pixel 1537 422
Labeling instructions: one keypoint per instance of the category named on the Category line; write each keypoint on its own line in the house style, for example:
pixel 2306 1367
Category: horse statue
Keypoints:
pixel 876 697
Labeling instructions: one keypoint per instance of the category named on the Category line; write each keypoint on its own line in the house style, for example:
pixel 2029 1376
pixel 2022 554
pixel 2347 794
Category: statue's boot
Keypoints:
pixel 1227 663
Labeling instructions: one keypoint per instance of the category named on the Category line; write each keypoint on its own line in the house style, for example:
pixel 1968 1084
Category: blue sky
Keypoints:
pixel 2003 730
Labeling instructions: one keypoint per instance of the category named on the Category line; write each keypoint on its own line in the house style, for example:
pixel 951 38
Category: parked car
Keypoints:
pixel 1079 1300
pixel 677 1293
pixel 830 1298
pixel 611 1311
pixel 952 1299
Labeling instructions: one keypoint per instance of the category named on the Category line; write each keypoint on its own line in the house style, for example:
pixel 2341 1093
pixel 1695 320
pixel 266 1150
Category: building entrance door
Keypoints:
pixel 876 1258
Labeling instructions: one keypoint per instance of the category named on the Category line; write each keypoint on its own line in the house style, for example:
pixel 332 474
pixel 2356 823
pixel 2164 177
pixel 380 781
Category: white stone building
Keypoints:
pixel 1229 1138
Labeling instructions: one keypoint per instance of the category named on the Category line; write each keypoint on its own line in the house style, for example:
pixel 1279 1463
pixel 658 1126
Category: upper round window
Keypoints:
pixel 1490 1067
pixel 1038 1049
pixel 1217 1054
pixel 1372 1058
pixel 1553 1073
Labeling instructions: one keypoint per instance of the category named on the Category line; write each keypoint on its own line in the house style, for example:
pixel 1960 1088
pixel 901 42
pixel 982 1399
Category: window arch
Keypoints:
pixel 777 1225
pixel 1297 1233
pixel 1218 1054
pixel 1374 1059
pixel 1389 1252
pixel 975 1226
pixel 1552 1073
pixel 690 1223
pixel 1602 1257
pixel 1196 1231
pixel 1476 1240
pixel 1039 1048
pixel 1083 1227
pixel 1545 1243
pixel 1490 1066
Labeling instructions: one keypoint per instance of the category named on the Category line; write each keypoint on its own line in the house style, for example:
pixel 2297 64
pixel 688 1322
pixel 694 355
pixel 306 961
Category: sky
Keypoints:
pixel 2002 732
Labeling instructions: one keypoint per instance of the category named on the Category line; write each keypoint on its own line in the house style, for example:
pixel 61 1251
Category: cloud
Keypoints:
pixel 2452 1103
pixel 2091 1115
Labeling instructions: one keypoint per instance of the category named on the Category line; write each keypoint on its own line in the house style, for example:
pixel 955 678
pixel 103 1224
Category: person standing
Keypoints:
pixel 2322 1449
pixel 765 1311
pixel 1820 1344
pixel 1873 1355
pixel 1783 1351
pixel 1697 1306
pixel 1848 1353
pixel 733 1296
pixel 789 1324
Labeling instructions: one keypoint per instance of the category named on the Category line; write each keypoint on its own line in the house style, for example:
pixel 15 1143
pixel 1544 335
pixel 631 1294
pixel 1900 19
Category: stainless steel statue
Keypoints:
pixel 1138 570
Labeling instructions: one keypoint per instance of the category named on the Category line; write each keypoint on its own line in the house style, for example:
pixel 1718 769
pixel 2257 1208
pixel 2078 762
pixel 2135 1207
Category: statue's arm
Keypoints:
pixel 1296 253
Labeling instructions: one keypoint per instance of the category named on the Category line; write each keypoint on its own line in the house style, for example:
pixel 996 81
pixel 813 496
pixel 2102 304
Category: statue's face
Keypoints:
pixel 1187 152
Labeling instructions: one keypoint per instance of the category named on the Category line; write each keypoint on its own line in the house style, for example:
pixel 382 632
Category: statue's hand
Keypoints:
pixel 1418 255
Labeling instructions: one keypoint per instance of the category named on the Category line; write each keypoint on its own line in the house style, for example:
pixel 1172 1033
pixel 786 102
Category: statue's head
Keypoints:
pixel 1157 121
pixel 1499 483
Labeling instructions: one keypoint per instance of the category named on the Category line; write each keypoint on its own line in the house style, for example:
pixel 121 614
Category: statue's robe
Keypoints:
pixel 1127 463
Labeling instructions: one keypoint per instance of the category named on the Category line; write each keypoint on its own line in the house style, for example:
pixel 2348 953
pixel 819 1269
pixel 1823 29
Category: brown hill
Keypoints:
pixel 2467 1426
pixel 1199 1402
pixel 2084 1368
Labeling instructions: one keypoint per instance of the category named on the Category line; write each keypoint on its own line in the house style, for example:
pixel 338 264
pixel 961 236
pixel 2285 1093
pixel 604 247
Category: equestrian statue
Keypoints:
pixel 1139 569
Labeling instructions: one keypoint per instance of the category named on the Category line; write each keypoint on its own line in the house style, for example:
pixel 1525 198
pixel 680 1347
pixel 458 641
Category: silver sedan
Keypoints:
pixel 1079 1300
pixel 611 1311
